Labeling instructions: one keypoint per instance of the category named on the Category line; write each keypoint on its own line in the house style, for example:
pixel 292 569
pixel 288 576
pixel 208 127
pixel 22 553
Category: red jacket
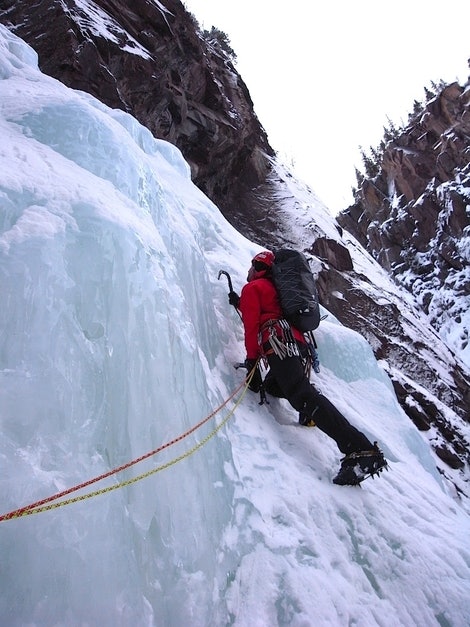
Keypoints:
pixel 258 304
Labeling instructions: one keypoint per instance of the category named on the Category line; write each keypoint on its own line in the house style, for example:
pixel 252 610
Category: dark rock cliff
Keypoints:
pixel 414 215
pixel 151 60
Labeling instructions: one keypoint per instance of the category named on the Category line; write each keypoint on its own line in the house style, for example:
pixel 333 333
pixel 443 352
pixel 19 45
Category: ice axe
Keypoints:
pixel 229 279
pixel 230 287
pixel 262 391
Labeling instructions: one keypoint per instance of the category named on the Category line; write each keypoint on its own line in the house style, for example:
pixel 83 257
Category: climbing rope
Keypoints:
pixel 40 506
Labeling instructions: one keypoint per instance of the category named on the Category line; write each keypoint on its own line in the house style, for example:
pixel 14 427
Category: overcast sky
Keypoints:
pixel 325 76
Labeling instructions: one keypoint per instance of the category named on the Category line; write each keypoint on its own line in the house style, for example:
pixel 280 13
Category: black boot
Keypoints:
pixel 359 465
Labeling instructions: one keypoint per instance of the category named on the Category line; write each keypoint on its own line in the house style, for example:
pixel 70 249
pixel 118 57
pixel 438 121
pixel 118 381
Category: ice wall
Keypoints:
pixel 106 352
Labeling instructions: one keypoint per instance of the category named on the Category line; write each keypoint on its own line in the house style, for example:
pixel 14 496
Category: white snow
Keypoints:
pixel 117 337
pixel 91 18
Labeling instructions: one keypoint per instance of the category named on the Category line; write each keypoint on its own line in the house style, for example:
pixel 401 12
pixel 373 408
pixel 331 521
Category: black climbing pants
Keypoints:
pixel 286 378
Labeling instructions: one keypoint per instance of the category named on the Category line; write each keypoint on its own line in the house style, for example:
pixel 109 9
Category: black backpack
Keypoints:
pixel 296 288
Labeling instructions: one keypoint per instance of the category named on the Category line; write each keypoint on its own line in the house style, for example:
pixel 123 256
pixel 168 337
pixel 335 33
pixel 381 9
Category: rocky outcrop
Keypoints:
pixel 151 60
pixel 414 216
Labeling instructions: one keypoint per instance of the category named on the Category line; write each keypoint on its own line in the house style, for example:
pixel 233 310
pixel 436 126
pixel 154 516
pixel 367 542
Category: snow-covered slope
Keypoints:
pixel 117 337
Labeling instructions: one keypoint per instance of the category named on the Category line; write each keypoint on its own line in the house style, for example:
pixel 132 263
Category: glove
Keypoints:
pixel 234 299
pixel 256 380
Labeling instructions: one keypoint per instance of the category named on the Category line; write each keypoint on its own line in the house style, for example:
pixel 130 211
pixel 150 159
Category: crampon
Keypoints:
pixel 360 465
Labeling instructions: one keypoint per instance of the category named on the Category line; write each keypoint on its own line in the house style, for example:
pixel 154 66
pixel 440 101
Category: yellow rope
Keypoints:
pixel 51 506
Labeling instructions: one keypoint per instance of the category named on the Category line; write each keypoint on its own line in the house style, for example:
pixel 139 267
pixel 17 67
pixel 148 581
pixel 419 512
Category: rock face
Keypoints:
pixel 414 216
pixel 149 59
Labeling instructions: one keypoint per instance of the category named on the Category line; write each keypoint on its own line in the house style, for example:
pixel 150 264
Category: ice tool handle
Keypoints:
pixel 229 279
pixel 230 286
pixel 262 392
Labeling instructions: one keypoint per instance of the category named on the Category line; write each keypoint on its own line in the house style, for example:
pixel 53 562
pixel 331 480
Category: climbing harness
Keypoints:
pixel 281 339
pixel 283 344
pixel 47 504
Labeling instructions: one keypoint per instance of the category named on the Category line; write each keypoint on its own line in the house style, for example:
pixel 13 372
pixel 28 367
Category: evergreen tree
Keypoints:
pixel 218 37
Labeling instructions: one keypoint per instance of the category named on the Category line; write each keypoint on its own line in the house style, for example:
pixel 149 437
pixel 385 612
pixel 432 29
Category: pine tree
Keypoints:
pixel 217 36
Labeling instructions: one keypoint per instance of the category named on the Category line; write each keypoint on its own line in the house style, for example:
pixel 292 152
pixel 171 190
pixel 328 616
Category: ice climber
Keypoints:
pixel 264 327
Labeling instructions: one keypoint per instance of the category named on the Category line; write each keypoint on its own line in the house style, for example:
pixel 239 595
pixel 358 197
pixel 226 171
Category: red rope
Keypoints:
pixel 19 512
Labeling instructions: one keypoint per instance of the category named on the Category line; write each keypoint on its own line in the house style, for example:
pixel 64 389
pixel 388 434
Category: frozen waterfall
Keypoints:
pixel 117 337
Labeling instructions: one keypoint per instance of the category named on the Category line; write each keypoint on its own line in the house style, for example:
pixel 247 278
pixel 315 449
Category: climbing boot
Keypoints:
pixel 359 465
